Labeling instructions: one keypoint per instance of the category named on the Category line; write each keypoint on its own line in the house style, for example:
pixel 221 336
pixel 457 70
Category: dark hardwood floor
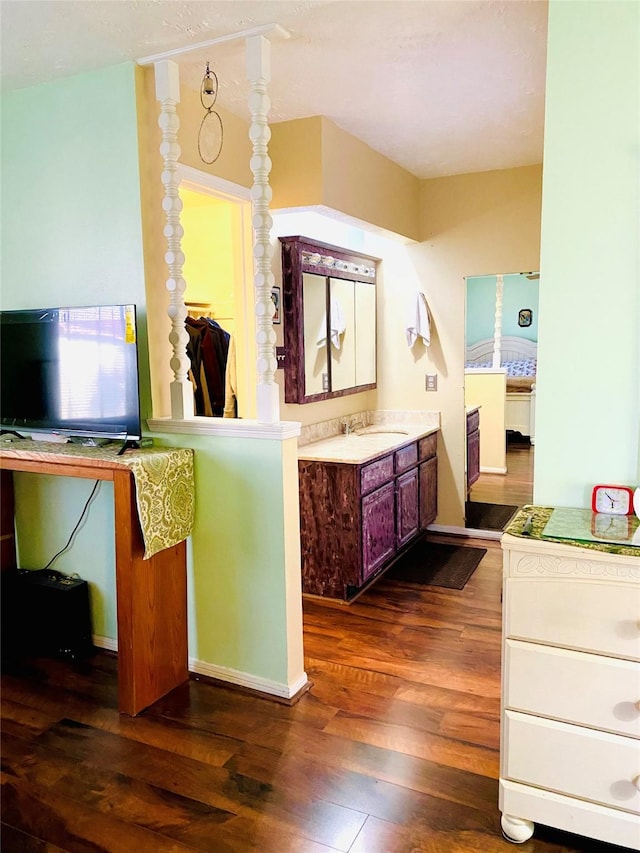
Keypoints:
pixel 515 488
pixel 394 748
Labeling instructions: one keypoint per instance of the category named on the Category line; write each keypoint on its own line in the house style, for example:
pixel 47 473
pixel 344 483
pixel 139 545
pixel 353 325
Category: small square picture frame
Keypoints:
pixel 525 317
pixel 275 296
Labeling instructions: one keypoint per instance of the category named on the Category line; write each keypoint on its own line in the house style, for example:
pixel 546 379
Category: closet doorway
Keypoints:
pixel 501 338
pixel 217 246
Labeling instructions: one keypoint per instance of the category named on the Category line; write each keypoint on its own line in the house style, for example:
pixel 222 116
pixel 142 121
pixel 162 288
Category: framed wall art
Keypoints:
pixel 275 296
pixel 525 316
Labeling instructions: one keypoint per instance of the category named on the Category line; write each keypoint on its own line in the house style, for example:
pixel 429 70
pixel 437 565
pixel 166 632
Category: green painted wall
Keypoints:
pixel 480 308
pixel 588 407
pixel 237 592
pixel 71 234
pixel 518 292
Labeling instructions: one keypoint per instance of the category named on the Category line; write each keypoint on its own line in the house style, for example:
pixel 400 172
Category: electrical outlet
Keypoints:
pixel 325 381
pixel 431 383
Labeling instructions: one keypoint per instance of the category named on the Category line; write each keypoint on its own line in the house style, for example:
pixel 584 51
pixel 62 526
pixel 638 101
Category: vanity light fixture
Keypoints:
pixel 210 135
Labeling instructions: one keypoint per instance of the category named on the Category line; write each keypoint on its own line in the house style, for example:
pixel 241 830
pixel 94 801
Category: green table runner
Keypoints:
pixel 165 490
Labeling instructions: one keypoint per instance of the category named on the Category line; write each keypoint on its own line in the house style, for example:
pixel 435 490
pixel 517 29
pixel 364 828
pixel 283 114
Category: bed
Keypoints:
pixel 518 356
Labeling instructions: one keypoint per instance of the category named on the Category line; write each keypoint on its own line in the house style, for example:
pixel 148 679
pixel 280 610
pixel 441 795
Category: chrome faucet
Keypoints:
pixel 349 425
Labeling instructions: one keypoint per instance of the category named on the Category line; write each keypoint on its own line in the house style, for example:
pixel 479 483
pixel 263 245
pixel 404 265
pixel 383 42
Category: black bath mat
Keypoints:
pixel 480 516
pixel 436 564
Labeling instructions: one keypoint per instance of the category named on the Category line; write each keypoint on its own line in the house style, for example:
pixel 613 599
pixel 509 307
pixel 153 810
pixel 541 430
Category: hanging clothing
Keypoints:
pixel 231 382
pixel 207 349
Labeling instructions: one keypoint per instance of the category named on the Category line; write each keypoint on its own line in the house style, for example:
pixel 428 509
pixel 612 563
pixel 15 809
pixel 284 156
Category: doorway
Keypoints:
pixel 217 245
pixel 501 333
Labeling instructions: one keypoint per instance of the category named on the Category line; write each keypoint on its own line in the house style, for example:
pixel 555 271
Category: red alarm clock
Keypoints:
pixel 613 500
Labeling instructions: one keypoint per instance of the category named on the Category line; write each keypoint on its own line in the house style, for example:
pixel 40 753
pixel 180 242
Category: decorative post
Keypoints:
pixel 497 330
pixel 168 93
pixel 258 55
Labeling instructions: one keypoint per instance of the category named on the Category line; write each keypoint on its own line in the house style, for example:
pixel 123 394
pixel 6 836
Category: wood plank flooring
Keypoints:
pixel 394 748
pixel 516 486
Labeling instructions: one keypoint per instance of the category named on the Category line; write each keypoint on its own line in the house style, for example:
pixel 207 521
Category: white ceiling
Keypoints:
pixel 441 87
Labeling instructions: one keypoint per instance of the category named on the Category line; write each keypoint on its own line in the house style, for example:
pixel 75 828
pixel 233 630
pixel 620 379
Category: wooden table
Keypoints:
pixel 151 593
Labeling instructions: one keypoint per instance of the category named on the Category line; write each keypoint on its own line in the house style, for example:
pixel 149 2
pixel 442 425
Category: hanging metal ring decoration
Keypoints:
pixel 210 135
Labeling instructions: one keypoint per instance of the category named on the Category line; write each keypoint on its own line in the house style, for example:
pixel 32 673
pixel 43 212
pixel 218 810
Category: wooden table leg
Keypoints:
pixel 152 609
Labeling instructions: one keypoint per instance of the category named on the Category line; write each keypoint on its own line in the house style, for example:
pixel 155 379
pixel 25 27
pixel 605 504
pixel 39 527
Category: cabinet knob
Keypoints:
pixel 636 782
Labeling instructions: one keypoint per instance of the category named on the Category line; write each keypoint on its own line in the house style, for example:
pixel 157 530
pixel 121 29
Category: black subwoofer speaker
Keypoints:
pixel 47 614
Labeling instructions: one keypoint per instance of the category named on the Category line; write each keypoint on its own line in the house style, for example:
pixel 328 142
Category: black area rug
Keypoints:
pixel 436 564
pixel 481 516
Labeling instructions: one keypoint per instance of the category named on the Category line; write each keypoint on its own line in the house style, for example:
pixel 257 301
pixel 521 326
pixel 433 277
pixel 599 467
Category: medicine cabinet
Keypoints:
pixel 329 300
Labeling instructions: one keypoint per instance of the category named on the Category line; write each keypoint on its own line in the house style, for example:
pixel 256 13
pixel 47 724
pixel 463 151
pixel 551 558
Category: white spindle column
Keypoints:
pixel 167 77
pixel 258 56
pixel 497 330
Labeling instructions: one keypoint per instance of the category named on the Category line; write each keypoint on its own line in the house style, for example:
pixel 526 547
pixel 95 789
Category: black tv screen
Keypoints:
pixel 72 371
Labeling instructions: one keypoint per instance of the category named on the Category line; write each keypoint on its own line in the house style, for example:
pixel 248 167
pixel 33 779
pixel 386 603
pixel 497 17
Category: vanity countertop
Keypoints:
pixel 363 445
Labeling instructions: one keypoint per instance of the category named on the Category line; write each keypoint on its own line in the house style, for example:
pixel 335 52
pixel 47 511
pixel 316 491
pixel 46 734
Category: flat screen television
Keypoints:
pixel 70 371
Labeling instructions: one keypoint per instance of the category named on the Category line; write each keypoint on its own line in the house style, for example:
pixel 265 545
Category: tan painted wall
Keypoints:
pixel 233 162
pixel 153 220
pixel 296 154
pixel 317 163
pixel 362 183
pixel 487 390
pixel 471 225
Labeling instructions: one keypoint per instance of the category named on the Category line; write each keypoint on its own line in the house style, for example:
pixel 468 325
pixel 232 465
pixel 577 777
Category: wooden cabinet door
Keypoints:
pixel 407 515
pixel 378 529
pixel 473 457
pixel 428 491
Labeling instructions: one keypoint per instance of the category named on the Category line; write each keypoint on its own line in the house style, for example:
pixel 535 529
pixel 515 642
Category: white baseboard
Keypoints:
pixel 470 532
pixel 222 673
pixel 245 679
pixel 486 470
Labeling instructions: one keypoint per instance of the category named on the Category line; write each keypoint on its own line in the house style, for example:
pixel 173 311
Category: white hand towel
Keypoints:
pixel 419 322
pixel 337 326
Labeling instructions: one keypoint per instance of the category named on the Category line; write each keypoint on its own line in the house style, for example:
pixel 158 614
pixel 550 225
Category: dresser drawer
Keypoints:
pixel 573 686
pixel 586 615
pixel 428 446
pixel 376 473
pixel 406 457
pixel 592 765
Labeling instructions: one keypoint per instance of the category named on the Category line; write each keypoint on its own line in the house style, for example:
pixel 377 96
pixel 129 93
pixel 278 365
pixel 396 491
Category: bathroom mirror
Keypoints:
pixel 329 300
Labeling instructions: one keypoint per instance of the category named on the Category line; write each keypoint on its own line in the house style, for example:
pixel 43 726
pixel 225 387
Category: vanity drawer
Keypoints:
pixel 473 421
pixel 590 690
pixel 428 446
pixel 376 473
pixel 584 763
pixel 406 457
pixel 584 615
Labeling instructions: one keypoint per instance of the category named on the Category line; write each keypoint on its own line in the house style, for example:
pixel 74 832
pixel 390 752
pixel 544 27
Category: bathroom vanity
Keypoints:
pixel 364 497
pixel 570 732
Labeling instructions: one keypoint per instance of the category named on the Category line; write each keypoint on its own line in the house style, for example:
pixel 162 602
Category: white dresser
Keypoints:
pixel 570 733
